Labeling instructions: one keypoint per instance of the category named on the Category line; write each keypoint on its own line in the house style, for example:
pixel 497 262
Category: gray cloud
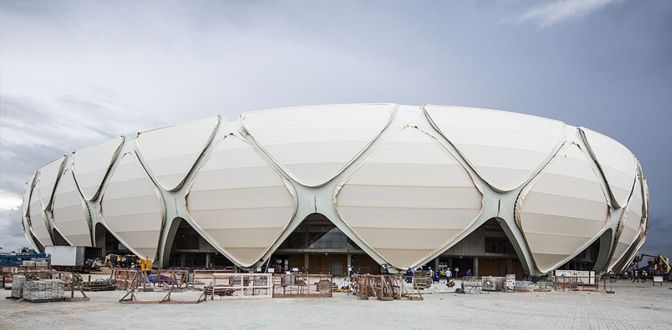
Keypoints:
pixel 12 235
pixel 560 11
pixel 658 236
pixel 74 73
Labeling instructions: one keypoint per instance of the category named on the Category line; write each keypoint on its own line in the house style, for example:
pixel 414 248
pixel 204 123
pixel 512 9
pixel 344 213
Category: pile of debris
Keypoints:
pixel 99 285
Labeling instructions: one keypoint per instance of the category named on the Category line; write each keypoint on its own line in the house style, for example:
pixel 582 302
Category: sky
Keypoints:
pixel 76 73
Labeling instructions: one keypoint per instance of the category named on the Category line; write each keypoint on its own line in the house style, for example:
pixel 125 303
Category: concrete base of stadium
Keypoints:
pixel 633 306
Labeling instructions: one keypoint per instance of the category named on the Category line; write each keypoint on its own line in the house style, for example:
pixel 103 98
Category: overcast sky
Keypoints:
pixel 73 74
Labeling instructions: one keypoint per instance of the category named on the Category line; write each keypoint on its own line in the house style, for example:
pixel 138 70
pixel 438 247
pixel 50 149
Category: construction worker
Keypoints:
pixel 409 275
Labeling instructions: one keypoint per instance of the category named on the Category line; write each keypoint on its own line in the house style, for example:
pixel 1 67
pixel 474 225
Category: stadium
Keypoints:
pixel 365 187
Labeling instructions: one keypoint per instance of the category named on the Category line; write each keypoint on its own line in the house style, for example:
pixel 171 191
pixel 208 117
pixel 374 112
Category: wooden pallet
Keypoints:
pixel 39 301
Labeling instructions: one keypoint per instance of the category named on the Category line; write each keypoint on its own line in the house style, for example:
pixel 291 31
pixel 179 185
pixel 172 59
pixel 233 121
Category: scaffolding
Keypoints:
pixel 300 285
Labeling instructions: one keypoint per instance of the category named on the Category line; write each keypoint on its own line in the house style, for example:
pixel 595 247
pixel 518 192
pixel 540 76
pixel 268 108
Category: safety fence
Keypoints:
pixel 239 286
pixel 383 287
pixel 302 285
pixel 128 279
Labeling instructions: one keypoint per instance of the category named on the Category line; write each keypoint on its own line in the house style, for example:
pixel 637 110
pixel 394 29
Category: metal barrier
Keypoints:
pixel 127 279
pixel 240 286
pixel 383 287
pixel 471 284
pixel 300 285
pixel 139 280
pixel 204 276
pixel 566 283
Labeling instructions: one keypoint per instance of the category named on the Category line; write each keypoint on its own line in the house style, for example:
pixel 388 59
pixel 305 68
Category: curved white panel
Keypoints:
pixel 616 162
pixel 28 189
pixel 315 143
pixel 90 165
pixel 27 233
pixel 47 179
pixel 629 257
pixel 38 219
pixel 631 224
pixel 132 209
pixel 240 202
pixel 504 148
pixel 409 198
pixel 69 212
pixel 645 197
pixel 25 209
pixel 562 209
pixel 170 162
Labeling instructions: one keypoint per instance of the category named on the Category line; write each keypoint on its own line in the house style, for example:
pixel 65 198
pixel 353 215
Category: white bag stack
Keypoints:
pixel 17 286
pixel 43 290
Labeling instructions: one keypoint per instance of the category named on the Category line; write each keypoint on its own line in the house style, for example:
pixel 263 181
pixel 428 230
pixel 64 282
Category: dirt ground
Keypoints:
pixel 633 306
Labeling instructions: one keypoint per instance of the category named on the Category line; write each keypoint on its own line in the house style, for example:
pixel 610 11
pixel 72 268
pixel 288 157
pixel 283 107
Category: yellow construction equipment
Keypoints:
pixel 146 264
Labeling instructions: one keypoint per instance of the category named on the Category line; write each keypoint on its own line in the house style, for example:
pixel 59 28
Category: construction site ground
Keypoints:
pixel 632 306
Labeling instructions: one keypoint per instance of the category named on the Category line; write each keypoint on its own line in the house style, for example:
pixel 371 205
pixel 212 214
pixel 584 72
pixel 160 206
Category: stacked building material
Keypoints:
pixel 493 283
pixel 544 286
pixel 523 286
pixel 42 264
pixel 17 286
pixel 471 285
pixel 510 282
pixel 43 290
pixel 99 285
pixel 28 263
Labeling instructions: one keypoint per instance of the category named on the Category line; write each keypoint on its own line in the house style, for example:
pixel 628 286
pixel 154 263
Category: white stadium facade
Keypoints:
pixel 323 188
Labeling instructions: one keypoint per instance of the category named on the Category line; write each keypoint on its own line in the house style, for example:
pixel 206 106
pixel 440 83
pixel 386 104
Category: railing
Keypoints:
pixel 383 287
pixel 126 279
pixel 574 283
pixel 302 285
pixel 204 276
pixel 240 286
